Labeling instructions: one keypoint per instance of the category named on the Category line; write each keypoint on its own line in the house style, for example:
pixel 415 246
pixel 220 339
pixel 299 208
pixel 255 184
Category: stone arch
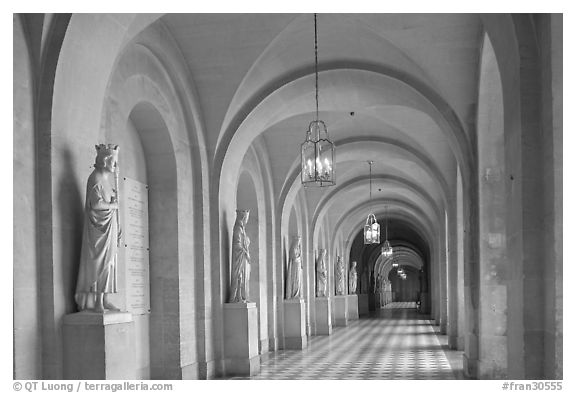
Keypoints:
pixel 250 196
pixel 140 89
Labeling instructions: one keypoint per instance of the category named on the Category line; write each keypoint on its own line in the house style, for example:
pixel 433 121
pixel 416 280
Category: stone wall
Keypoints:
pixel 27 331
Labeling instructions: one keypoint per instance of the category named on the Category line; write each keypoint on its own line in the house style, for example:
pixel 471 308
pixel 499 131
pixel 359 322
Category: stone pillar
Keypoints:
pixel 363 304
pixel 99 346
pixel 372 301
pixel 323 316
pixel 295 324
pixel 388 298
pixel 424 302
pixel 453 299
pixel 352 313
pixel 241 339
pixel 495 268
pixel 340 310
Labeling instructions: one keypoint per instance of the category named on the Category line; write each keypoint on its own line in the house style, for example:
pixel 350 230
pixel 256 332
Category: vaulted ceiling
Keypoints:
pixel 392 86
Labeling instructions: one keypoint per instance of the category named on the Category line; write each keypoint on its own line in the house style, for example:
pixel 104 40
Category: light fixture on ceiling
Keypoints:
pixel 387 250
pixel 372 228
pixel 317 153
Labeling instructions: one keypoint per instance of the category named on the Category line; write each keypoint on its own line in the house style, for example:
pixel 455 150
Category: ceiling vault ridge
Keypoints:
pixel 457 137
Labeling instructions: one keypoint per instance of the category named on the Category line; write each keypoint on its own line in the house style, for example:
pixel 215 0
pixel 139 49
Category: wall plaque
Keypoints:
pixel 134 209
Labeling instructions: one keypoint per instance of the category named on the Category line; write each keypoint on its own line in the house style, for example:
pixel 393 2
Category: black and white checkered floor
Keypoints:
pixel 395 343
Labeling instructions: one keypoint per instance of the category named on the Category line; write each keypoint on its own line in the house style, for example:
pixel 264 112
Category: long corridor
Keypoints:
pixel 394 343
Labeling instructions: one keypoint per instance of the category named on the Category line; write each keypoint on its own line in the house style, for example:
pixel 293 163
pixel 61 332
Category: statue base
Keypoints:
pixel 295 324
pixel 99 345
pixel 241 339
pixel 323 326
pixel 363 304
pixel 388 297
pixel 352 307
pixel 340 310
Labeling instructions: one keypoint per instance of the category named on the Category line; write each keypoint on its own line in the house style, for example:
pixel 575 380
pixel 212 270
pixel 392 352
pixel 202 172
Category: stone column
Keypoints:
pixel 99 346
pixel 363 304
pixel 493 262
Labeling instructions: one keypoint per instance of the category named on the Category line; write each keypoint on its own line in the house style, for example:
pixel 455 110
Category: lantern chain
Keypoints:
pixel 316 60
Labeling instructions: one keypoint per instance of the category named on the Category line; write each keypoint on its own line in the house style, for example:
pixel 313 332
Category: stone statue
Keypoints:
pixel 97 275
pixel 240 259
pixel 294 281
pixel 321 274
pixel 352 279
pixel 340 277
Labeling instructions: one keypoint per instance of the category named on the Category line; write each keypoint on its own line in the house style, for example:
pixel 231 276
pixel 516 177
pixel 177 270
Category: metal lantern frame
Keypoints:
pixel 317 157
pixel 317 153
pixel 387 250
pixel 371 228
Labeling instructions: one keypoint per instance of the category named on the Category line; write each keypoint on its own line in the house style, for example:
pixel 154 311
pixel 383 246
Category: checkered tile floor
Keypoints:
pixel 395 343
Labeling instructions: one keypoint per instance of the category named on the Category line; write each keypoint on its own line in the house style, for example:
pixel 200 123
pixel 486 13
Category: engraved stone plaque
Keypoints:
pixel 134 208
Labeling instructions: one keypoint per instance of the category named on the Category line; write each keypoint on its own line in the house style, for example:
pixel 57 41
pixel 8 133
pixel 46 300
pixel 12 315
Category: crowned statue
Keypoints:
pixel 97 275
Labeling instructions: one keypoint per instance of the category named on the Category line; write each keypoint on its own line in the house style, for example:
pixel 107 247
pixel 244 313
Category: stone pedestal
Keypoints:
pixel 241 339
pixel 363 304
pixel 99 346
pixel 388 297
pixel 323 316
pixel 340 310
pixel 352 307
pixel 295 324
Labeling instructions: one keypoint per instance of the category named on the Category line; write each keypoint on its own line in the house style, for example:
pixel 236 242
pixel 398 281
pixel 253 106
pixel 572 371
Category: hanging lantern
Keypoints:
pixel 317 157
pixel 317 151
pixel 387 249
pixel 372 228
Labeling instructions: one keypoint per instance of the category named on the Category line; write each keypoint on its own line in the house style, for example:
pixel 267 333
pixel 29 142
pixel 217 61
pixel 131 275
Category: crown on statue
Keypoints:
pixel 103 150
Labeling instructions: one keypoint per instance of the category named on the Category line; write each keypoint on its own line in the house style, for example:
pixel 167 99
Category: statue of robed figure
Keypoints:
pixel 240 269
pixel 321 274
pixel 97 274
pixel 352 279
pixel 294 281
pixel 340 276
